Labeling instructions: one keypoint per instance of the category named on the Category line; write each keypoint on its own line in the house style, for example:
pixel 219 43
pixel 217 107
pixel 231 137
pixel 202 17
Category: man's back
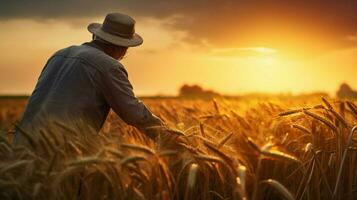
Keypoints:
pixel 76 89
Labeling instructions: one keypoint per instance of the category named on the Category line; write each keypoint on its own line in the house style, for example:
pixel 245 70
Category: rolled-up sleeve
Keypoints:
pixel 118 92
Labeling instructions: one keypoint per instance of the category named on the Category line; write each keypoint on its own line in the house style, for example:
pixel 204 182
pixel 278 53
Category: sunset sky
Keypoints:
pixel 230 46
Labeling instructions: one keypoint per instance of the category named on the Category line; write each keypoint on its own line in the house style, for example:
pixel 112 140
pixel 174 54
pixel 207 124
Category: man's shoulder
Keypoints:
pixel 91 56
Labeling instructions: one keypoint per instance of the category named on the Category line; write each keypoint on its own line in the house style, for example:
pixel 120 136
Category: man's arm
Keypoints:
pixel 119 94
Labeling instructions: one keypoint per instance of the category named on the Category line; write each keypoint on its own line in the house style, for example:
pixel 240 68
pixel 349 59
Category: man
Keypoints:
pixel 79 84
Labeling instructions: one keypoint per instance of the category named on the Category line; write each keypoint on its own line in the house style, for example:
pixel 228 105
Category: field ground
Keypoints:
pixel 242 148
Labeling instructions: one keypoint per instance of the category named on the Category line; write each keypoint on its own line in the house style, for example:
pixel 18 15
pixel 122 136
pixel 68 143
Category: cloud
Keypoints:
pixel 243 52
pixel 352 38
pixel 314 26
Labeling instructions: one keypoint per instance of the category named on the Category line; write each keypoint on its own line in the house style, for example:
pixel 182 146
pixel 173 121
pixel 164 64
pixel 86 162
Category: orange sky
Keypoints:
pixel 263 53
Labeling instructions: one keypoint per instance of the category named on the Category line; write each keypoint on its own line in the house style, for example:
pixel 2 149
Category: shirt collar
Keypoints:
pixel 93 44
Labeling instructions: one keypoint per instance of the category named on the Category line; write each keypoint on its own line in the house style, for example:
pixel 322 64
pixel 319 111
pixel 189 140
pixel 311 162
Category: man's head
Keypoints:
pixel 116 34
pixel 114 51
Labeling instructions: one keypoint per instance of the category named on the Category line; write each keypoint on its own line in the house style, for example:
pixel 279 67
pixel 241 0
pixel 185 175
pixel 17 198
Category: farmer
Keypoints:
pixel 79 84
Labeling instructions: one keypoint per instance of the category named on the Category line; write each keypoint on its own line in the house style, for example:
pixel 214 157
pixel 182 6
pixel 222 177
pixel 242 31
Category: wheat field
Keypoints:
pixel 215 149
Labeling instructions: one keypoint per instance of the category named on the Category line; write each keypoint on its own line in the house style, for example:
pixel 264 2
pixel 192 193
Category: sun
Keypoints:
pixel 267 61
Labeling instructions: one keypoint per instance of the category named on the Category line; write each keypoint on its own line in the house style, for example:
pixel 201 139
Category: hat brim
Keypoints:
pixel 96 29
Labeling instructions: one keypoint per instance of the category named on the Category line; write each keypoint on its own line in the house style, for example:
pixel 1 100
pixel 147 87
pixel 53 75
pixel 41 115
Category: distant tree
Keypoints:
pixel 196 90
pixel 346 92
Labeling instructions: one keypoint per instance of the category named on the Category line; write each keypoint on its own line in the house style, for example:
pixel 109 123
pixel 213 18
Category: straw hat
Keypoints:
pixel 118 29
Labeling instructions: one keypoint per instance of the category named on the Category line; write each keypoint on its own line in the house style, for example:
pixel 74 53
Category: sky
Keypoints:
pixel 230 46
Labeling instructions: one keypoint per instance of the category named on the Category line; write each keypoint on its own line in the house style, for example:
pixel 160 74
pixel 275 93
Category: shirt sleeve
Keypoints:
pixel 118 92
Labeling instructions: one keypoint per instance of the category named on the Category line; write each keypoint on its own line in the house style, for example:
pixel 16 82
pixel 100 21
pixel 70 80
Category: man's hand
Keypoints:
pixel 167 138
